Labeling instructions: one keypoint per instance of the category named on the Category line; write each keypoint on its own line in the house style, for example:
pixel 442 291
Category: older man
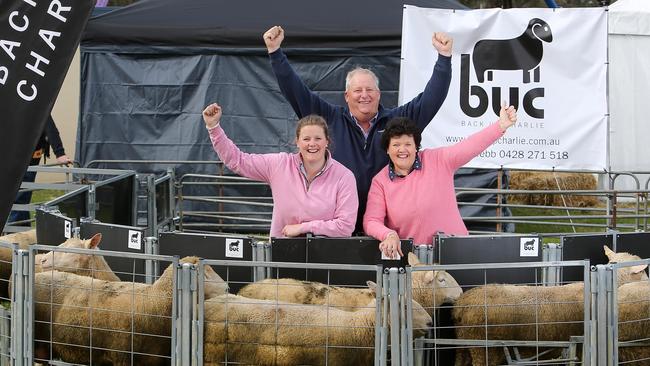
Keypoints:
pixel 356 128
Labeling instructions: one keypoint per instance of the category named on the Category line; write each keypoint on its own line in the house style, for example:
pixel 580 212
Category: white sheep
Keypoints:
pixel 430 289
pixel 634 322
pixel 307 292
pixel 531 313
pixel 125 319
pixel 82 264
pixel 23 239
pixel 95 265
pixel 267 332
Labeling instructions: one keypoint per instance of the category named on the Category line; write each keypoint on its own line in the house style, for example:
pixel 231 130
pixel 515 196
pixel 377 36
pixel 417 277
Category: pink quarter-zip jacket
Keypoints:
pixel 327 206
pixel 423 203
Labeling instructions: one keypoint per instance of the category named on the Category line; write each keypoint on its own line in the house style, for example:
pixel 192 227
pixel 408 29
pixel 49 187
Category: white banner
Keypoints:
pixel 550 64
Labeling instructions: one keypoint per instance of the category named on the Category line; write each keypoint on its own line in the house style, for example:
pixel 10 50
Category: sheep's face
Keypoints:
pixel 214 284
pixel 627 274
pixel 69 262
pixel 433 288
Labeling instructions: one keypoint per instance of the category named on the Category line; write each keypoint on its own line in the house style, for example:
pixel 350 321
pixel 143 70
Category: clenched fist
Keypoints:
pixel 507 116
pixel 212 115
pixel 273 38
pixel 442 43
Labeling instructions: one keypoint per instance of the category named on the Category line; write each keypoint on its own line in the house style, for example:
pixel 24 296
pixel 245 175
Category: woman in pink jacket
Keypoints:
pixel 414 196
pixel 312 193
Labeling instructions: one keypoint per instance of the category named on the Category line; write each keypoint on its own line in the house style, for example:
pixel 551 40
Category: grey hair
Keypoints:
pixel 360 70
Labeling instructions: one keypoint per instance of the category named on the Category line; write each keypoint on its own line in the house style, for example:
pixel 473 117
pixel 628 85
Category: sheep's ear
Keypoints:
pixel 372 286
pixel 413 259
pixel 639 268
pixel 429 276
pixel 609 253
pixel 209 273
pixel 94 241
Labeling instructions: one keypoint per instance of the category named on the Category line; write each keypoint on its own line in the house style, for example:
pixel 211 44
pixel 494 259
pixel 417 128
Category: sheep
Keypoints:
pixel 95 265
pixel 634 322
pixel 113 310
pixel 522 53
pixel 306 292
pixel 267 332
pixel 88 265
pixel 430 288
pixel 122 317
pixel 82 264
pixel 23 239
pixel 517 312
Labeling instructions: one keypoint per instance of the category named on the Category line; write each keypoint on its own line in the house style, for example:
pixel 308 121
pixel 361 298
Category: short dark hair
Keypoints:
pixel 400 126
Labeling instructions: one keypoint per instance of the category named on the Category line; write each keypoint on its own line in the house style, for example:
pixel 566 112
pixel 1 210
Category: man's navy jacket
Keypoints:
pixel 363 157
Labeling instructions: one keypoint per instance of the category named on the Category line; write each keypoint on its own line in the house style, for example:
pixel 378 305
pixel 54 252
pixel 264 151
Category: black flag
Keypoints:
pixel 38 39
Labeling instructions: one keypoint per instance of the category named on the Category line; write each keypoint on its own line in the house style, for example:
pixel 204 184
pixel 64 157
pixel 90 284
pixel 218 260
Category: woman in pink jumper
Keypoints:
pixel 414 196
pixel 312 193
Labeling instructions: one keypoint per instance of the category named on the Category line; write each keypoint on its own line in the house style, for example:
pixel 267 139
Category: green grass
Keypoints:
pixel 551 228
pixel 45 195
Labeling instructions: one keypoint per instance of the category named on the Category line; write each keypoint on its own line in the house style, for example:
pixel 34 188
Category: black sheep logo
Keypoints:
pixel 522 53
pixel 529 245
pixel 234 246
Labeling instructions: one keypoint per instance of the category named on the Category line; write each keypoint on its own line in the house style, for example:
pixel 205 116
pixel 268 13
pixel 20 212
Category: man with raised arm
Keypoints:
pixel 357 127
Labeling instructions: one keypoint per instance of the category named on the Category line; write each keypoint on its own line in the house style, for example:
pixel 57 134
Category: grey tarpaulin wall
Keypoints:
pixel 149 69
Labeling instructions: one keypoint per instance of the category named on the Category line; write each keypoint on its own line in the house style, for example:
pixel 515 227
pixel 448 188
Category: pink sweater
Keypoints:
pixel 424 202
pixel 328 207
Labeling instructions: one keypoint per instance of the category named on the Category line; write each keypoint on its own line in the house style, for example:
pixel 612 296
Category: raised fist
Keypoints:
pixel 212 115
pixel 273 38
pixel 442 43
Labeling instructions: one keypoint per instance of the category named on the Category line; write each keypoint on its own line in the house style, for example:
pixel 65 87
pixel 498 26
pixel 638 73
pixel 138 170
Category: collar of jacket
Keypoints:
pixel 417 165
pixel 297 160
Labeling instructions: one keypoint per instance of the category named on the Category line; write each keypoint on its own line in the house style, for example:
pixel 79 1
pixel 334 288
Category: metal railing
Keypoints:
pixel 612 216
pixel 623 315
pixel 602 333
pixel 209 202
pixel 493 328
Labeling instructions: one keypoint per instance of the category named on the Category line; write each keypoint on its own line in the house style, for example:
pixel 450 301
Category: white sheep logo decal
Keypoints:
pixel 522 53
